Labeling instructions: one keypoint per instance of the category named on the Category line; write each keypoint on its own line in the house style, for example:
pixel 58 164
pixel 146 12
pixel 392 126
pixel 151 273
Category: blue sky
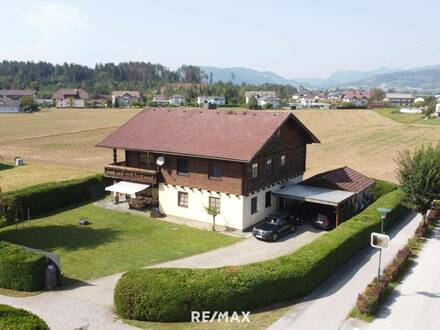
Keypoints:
pixel 293 38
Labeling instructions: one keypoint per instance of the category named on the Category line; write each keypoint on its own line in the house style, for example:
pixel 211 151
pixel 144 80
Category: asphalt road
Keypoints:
pixel 415 304
pixel 328 306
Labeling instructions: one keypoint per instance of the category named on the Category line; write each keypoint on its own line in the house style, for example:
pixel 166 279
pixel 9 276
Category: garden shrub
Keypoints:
pixel 21 269
pixel 381 188
pixel 19 319
pixel 169 295
pixel 49 196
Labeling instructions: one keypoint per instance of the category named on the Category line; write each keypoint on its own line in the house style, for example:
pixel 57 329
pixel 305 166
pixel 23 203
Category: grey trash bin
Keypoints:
pixel 50 278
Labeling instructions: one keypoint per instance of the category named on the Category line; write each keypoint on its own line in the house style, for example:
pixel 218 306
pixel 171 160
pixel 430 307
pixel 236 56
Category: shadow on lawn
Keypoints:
pixel 4 166
pixel 66 237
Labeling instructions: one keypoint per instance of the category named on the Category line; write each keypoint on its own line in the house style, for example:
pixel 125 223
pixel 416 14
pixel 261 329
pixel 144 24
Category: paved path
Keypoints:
pixel 328 306
pixel 92 302
pixel 415 304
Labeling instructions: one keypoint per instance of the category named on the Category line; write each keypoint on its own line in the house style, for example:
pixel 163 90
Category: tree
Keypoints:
pixel 377 94
pixel 213 211
pixel 419 177
pixel 116 103
pixel 252 103
pixel 27 103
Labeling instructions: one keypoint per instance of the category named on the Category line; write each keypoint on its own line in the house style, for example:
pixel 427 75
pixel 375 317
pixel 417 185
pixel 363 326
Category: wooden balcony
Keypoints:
pixel 121 172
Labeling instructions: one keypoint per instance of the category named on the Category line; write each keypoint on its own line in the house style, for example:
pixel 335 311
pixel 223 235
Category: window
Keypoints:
pixel 269 167
pixel 279 133
pixel 268 199
pixel 254 170
pixel 254 205
pixel 215 172
pixel 146 159
pixel 214 203
pixel 283 162
pixel 182 199
pixel 182 166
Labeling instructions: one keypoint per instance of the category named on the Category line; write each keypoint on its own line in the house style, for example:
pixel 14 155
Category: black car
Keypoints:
pixel 274 226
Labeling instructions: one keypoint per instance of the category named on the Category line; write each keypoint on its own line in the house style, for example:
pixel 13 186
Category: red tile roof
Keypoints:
pixel 237 136
pixel 131 93
pixel 344 178
pixel 63 92
pixel 356 95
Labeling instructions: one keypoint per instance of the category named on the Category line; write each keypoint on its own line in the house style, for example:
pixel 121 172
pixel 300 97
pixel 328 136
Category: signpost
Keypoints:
pixel 380 240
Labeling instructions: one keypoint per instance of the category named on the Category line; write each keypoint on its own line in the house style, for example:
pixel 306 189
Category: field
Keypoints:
pixel 407 118
pixel 59 144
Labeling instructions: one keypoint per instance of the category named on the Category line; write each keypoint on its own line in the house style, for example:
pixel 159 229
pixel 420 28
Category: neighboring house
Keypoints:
pixel 8 105
pixel 177 100
pixel 160 99
pixel 358 98
pixel 274 102
pixel 437 109
pixel 400 99
pixel 193 159
pixel 70 98
pixel 307 101
pixel 259 95
pixel 17 94
pixel 217 100
pixel 125 98
pixel 44 102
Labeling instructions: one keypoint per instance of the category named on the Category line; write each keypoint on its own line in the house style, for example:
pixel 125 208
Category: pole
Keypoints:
pixel 380 250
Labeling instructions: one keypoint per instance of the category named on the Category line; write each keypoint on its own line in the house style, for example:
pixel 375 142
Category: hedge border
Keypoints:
pixel 21 269
pixel 169 295
pixel 20 319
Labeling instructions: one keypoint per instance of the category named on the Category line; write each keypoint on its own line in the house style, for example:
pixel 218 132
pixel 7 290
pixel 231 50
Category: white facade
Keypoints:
pixel 177 100
pixel 9 109
pixel 437 110
pixel 235 210
pixel 70 103
pixel 217 100
pixel 274 102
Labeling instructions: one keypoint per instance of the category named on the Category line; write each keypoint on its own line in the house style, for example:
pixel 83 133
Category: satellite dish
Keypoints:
pixel 160 161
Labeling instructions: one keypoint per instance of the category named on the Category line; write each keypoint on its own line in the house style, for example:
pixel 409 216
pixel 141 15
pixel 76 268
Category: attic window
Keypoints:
pixel 278 132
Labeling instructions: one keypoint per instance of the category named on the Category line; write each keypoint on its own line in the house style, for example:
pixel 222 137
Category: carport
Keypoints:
pixel 317 195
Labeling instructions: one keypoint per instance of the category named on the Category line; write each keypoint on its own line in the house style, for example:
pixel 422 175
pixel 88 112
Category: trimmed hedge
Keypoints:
pixel 169 295
pixel 19 319
pixel 382 187
pixel 21 269
pixel 49 196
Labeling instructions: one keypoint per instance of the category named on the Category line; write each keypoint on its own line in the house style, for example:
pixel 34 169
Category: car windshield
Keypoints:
pixel 273 220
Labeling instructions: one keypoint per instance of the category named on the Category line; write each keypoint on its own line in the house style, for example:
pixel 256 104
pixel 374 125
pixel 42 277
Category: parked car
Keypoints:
pixel 274 226
pixel 323 221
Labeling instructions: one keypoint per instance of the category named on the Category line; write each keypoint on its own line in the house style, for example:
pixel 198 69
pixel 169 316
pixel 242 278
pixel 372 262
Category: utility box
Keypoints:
pixel 50 278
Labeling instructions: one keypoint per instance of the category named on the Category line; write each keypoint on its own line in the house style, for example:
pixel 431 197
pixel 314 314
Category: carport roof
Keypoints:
pixel 314 194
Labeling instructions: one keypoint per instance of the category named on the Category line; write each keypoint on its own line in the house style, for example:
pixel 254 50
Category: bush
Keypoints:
pixel 19 319
pixel 170 294
pixel 21 269
pixel 382 187
pixel 49 196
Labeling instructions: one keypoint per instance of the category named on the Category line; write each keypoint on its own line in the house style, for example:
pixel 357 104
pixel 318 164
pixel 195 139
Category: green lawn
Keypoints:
pixel 113 242
pixel 407 118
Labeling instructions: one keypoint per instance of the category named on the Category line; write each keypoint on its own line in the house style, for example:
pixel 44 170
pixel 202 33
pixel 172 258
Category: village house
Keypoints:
pixel 217 100
pixel 273 102
pixel 8 105
pixel 259 95
pixel 160 99
pixel 125 98
pixel 177 100
pixel 193 159
pixel 358 98
pixel 400 99
pixel 70 98
pixel 17 94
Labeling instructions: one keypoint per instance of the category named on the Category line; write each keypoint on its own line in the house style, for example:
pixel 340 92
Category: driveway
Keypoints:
pixel 415 304
pixel 90 303
pixel 327 307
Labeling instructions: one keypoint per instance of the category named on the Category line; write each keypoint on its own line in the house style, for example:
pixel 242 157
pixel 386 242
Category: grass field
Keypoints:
pixel 407 118
pixel 59 144
pixel 113 242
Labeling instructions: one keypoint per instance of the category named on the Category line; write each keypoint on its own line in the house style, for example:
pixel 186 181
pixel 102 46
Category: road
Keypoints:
pixel 415 304
pixel 327 307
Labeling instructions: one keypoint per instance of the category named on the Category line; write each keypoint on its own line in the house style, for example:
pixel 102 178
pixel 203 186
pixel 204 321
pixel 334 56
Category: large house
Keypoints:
pixel 125 98
pixel 400 99
pixel 9 105
pixel 160 99
pixel 17 94
pixel 358 98
pixel 194 159
pixel 70 98
pixel 259 95
pixel 217 100
pixel 177 100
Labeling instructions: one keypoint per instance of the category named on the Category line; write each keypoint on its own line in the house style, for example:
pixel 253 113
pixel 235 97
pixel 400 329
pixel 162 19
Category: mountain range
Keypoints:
pixel 419 78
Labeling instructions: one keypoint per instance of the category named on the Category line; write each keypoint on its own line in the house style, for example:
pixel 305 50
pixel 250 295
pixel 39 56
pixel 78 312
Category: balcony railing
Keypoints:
pixel 133 174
